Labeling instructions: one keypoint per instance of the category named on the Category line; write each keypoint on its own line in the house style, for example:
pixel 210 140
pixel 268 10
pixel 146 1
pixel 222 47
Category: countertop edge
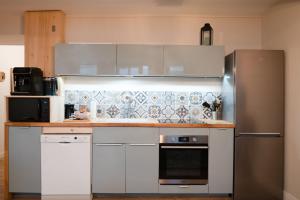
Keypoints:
pixel 98 124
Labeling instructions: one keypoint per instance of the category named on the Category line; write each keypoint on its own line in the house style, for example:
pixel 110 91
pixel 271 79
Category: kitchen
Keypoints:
pixel 252 32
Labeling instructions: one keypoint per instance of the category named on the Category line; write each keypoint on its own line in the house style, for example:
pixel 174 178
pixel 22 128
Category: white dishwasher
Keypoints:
pixel 66 161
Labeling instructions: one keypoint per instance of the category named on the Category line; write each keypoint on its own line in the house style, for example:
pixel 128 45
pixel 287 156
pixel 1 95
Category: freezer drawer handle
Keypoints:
pixel 262 134
pixel 184 147
pixel 64 142
pixel 142 144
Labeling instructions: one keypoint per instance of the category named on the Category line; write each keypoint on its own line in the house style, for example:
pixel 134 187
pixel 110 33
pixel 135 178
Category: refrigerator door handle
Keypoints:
pixel 261 134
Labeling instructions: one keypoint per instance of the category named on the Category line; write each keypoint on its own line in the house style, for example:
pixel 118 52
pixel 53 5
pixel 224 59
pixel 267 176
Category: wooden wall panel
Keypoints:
pixel 42 30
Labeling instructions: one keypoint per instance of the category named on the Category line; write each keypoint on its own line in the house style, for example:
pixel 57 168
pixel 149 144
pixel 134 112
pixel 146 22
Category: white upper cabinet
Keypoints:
pixel 194 61
pixel 85 59
pixel 140 60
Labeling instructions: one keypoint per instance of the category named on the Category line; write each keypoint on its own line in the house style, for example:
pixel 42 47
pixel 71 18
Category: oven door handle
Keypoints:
pixel 142 144
pixel 184 186
pixel 184 147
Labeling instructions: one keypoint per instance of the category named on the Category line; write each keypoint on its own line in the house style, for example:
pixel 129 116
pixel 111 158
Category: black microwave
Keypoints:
pixel 28 109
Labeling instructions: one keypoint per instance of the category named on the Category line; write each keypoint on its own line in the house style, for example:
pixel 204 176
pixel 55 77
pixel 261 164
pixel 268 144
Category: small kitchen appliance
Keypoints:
pixel 69 110
pixel 50 86
pixel 27 81
pixel 34 109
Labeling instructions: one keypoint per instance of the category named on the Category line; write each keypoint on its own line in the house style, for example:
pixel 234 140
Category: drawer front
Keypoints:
pixel 183 189
pixel 125 135
pixel 184 131
pixel 67 130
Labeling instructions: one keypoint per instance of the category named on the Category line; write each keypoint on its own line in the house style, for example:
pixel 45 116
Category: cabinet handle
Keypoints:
pixel 64 142
pixel 142 144
pixel 24 127
pixel 109 144
pixel 183 186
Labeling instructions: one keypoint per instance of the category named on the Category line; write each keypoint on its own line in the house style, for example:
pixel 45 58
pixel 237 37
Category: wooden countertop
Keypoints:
pixel 82 123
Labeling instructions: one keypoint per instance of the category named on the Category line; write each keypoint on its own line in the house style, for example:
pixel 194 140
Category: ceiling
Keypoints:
pixel 142 7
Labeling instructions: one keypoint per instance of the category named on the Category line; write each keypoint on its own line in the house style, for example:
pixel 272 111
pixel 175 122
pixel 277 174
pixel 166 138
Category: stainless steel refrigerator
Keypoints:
pixel 253 91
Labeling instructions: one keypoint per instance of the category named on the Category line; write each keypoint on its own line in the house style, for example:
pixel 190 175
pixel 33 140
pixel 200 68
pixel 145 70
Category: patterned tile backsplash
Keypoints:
pixel 164 105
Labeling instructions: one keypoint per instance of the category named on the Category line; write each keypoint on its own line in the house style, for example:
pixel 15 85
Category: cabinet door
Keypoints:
pixel 42 30
pixel 24 160
pixel 85 59
pixel 220 173
pixel 140 60
pixel 196 61
pixel 142 168
pixel 108 168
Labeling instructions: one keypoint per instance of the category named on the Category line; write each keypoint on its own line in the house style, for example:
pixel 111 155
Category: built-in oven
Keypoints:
pixel 183 160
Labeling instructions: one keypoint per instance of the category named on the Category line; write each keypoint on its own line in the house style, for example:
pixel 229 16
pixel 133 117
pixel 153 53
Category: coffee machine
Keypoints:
pixel 27 81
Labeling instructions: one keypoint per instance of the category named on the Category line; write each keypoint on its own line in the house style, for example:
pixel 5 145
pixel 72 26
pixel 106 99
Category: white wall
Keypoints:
pixel 233 32
pixel 16 39
pixel 10 56
pixel 281 30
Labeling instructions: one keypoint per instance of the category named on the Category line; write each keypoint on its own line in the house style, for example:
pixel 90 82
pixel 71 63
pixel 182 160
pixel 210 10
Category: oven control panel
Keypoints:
pixel 191 139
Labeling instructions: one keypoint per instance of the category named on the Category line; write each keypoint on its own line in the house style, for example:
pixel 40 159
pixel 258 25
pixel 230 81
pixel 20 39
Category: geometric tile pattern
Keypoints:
pixel 163 105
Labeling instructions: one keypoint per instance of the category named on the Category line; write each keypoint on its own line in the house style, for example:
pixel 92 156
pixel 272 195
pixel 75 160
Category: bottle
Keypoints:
pixel 93 110
pixel 206 35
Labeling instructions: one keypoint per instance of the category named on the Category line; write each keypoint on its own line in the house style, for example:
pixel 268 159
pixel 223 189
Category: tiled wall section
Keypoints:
pixel 164 105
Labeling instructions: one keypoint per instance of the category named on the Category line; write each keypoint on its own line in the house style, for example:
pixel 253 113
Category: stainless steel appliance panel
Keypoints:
pixel 253 91
pixel 258 167
pixel 183 160
pixel 228 89
pixel 259 80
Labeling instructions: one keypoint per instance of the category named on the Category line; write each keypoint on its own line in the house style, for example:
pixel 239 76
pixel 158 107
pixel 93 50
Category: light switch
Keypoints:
pixel 2 76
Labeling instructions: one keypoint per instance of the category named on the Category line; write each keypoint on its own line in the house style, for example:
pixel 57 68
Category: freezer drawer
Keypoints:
pixel 258 167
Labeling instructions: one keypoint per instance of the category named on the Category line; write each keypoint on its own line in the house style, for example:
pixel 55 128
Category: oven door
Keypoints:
pixel 183 164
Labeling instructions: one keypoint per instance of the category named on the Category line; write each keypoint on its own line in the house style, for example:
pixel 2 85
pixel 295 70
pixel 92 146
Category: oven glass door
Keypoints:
pixel 183 164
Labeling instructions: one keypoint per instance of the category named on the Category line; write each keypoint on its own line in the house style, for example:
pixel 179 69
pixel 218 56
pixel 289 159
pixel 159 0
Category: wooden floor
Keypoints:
pixel 115 197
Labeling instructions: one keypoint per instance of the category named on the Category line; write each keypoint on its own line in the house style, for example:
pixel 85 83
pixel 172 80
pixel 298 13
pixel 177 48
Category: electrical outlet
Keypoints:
pixel 2 76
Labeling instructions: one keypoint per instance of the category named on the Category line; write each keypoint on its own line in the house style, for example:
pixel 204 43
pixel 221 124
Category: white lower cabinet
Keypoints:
pixel 126 162
pixel 125 167
pixel 220 173
pixel 24 159
pixel 108 168
pixel 142 168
